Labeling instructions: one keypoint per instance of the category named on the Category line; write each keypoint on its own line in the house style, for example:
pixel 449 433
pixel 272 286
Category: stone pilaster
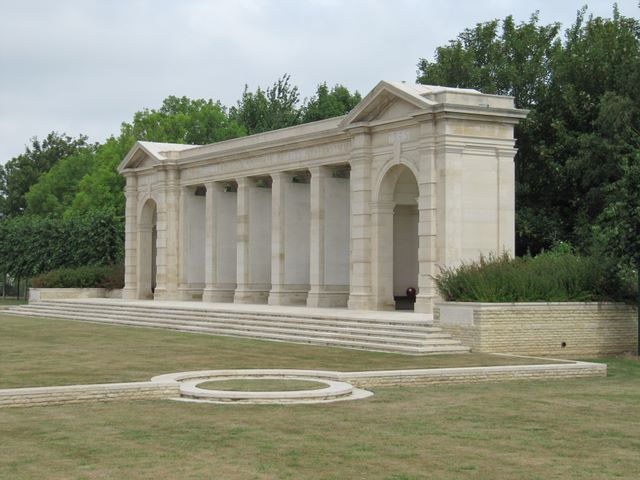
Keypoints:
pixel 427 248
pixel 506 200
pixel 360 292
pixel 169 238
pixel 131 237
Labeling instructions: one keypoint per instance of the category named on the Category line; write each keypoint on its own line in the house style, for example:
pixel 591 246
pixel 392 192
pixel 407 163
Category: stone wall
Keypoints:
pixel 38 294
pixel 43 396
pixel 561 329
pixel 449 376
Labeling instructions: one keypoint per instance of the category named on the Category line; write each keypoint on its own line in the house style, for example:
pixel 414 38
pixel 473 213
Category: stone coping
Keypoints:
pixel 333 390
pixel 172 385
pixel 572 305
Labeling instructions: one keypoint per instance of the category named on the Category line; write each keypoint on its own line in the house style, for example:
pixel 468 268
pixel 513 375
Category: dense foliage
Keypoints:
pixel 32 245
pixel 583 129
pixel 20 173
pixel 101 276
pixel 555 276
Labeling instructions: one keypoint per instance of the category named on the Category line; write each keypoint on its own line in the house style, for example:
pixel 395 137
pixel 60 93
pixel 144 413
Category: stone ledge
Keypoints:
pixel 61 395
pixel 168 386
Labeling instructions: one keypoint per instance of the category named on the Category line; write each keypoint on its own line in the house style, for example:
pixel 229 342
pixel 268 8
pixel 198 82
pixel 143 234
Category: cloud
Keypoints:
pixel 85 66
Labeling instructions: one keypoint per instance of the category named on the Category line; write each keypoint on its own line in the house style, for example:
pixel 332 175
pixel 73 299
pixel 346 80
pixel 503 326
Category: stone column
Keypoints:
pixel 277 294
pixel 253 248
pixel 210 252
pixel 243 264
pixel 169 237
pixel 289 240
pixel 218 288
pixel 360 294
pixel 317 240
pixel 130 290
pixel 382 255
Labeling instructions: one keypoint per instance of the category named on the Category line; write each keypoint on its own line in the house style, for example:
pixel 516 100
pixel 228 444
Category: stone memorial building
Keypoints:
pixel 350 211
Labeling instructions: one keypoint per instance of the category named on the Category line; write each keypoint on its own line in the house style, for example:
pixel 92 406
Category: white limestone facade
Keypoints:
pixel 349 211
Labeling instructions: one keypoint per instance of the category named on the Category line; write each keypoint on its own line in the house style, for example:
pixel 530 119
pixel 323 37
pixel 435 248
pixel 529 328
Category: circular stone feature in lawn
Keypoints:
pixel 262 385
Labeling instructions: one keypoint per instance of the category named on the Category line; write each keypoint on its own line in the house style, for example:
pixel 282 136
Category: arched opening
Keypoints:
pixel 147 250
pixel 396 225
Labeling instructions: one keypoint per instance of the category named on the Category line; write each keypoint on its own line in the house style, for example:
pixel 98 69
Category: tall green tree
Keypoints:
pixel 568 152
pixel 270 109
pixel 184 120
pixel 20 173
pixel 178 120
pixel 329 103
pixel 56 189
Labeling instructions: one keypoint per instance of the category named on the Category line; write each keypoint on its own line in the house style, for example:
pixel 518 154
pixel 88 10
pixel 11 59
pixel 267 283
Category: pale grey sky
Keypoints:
pixel 84 66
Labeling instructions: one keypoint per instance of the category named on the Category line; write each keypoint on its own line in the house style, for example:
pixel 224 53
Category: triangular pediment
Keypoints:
pixel 387 101
pixel 148 154
pixel 138 157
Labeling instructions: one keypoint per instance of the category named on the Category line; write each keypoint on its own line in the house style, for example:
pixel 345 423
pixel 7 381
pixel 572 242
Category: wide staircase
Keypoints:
pixel 399 332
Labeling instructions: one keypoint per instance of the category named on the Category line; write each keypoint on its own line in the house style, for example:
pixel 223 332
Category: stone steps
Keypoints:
pixel 424 325
pixel 259 326
pixel 382 334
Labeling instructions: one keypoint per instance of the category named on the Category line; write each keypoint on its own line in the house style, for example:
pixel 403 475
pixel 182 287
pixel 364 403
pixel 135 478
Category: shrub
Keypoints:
pixel 110 276
pixel 555 276
pixel 31 245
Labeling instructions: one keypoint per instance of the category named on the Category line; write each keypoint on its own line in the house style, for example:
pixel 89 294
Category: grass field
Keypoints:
pixel 572 429
pixel 262 385
pixel 37 352
pixel 11 301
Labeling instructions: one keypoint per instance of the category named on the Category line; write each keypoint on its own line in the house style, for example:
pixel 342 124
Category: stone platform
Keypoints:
pixel 399 332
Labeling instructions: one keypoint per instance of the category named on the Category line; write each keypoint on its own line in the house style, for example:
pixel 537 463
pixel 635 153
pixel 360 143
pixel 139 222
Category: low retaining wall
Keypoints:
pixel 41 396
pixel 38 294
pixel 447 376
pixel 169 385
pixel 558 329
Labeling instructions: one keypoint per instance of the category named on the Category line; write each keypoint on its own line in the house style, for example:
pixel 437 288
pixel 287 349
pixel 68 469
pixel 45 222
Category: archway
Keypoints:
pixel 147 250
pixel 396 240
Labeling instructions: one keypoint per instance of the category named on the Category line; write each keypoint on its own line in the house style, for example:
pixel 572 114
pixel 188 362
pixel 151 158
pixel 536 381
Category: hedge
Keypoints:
pixel 32 245
pixel 107 276
pixel 550 277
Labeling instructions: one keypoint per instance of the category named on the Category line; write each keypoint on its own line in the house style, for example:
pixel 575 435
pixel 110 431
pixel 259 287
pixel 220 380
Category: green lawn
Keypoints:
pixel 571 429
pixel 40 352
pixel 11 301
pixel 262 385
pixel 587 429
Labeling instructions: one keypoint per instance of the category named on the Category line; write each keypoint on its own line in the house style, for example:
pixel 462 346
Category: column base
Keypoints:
pixel 289 295
pixel 190 293
pixel 164 294
pixel 251 295
pixel 130 293
pixel 361 302
pixel 325 298
pixel 218 295
pixel 424 304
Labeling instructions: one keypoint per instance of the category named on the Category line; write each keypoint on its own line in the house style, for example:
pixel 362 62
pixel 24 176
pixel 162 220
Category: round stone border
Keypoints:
pixel 334 392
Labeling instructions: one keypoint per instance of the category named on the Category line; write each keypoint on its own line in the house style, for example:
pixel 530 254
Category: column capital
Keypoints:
pixel 320 171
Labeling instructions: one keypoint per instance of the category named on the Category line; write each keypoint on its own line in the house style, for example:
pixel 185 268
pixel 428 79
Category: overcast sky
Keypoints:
pixel 85 66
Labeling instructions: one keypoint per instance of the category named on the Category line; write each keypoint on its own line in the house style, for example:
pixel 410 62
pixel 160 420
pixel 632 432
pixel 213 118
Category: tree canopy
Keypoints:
pixel 20 173
pixel 583 93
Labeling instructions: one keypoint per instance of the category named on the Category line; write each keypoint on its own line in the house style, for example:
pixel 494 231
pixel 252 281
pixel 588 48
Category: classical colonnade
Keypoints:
pixel 344 212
